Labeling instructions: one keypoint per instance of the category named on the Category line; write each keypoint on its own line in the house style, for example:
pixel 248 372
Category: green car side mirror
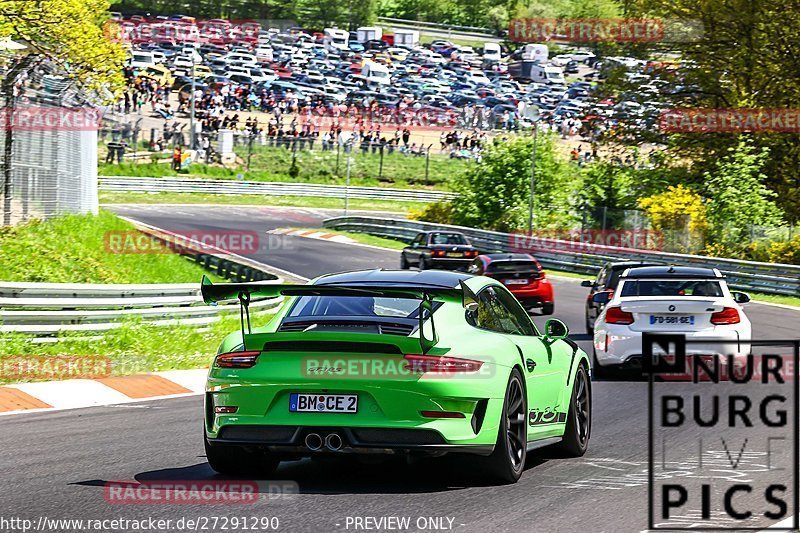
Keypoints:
pixel 555 329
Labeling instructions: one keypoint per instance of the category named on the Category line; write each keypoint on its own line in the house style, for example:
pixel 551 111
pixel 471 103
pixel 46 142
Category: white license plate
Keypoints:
pixel 680 320
pixel 454 254
pixel 516 282
pixel 323 403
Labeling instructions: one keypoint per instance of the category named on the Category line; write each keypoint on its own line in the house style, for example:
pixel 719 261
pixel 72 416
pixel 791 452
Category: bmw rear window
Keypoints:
pixel 672 287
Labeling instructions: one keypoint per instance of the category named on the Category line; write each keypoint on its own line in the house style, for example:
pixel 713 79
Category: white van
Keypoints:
pixel 547 74
pixel 335 39
pixel 376 73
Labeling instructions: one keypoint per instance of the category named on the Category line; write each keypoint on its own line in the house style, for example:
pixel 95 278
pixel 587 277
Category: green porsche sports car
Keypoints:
pixel 385 361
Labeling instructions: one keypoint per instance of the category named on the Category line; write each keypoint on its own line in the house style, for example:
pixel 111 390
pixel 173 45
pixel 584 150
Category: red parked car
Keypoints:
pixel 522 275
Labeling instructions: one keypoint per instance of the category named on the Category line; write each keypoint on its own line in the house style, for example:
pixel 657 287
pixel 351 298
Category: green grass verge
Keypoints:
pixel 72 249
pixel 274 164
pixel 775 299
pixel 135 347
pixel 248 199
pixel 564 274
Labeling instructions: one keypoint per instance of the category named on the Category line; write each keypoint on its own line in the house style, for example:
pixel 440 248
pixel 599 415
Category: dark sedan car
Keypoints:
pixel 438 249
pixel 607 281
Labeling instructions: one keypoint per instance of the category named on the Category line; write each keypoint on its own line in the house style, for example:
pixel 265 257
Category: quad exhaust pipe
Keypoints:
pixel 333 442
pixel 313 442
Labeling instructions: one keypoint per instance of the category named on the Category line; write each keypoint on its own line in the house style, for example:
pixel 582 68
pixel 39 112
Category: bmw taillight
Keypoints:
pixel 236 359
pixel 437 253
pixel 728 315
pixel 615 315
pixel 434 363
pixel 471 253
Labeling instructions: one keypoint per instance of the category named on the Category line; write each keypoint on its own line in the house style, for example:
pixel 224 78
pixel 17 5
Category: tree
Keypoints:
pixel 744 56
pixel 609 186
pixel 494 193
pixel 350 14
pixel 72 32
pixel 737 191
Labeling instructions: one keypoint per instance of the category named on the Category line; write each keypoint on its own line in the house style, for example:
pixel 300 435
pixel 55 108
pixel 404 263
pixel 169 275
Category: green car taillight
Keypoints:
pixel 441 364
pixel 236 359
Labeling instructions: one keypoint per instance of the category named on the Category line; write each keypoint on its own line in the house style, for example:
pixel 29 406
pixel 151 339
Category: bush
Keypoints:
pixel 438 213
pixel 785 251
pixel 752 251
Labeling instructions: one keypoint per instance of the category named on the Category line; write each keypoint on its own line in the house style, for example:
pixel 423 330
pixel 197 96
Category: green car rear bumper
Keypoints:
pixel 389 417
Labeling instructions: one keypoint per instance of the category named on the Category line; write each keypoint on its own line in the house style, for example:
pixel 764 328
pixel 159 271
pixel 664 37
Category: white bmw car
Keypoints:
pixel 669 299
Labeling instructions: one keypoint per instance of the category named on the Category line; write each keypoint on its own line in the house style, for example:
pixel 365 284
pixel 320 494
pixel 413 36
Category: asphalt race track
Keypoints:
pixel 55 464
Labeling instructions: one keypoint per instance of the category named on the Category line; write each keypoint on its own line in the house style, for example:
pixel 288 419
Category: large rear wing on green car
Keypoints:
pixel 426 294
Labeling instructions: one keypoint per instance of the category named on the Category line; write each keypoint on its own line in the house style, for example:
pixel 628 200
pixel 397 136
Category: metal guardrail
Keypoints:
pixel 50 308
pixel 231 187
pixel 29 308
pixel 769 278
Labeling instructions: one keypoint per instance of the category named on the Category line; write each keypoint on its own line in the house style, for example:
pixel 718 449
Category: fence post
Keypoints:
pixel 427 163
pixel 347 180
pixel 338 148
pixel 380 170
pixel 249 150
